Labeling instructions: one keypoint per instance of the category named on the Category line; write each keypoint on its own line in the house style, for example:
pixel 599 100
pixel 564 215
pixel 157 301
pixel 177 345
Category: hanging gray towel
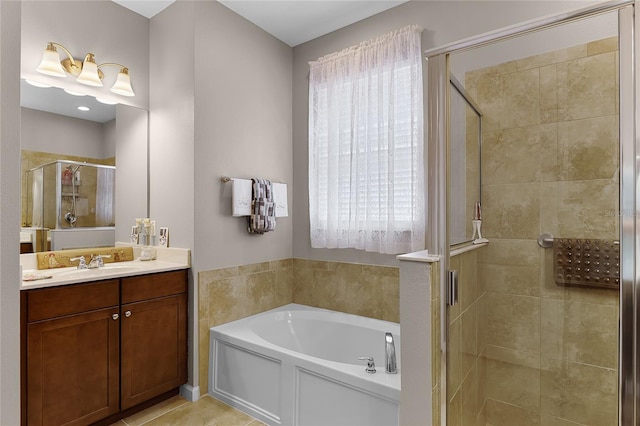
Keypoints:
pixel 263 209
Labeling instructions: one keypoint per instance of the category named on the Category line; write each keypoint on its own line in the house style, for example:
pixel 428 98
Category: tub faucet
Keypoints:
pixel 390 365
pixel 371 364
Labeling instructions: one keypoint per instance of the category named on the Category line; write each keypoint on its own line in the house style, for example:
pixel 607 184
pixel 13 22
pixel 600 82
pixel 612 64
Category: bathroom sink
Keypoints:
pixel 98 272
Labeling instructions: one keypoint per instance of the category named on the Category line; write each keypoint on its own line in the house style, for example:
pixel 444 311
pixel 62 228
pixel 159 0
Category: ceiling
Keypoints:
pixel 291 21
pixel 148 8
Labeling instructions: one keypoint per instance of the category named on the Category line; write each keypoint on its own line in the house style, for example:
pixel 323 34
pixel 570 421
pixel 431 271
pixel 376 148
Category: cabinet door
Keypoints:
pixel 154 348
pixel 72 368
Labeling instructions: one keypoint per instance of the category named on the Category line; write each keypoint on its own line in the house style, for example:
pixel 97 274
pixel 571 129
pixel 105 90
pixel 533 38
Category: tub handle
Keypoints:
pixel 371 365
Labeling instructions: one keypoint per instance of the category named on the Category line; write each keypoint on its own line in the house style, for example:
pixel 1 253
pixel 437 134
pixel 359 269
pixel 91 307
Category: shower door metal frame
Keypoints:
pixel 629 143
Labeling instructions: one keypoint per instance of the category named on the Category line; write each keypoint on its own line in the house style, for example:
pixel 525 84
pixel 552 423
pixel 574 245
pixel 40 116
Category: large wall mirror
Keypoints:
pixel 84 168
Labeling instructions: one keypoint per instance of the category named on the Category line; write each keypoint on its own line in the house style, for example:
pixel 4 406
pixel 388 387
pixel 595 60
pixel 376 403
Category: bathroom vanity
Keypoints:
pixel 101 349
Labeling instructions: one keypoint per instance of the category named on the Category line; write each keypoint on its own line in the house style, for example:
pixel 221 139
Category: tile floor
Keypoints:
pixel 177 411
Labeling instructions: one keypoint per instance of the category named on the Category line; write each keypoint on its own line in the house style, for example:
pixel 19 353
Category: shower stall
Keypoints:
pixel 543 330
pixel 72 196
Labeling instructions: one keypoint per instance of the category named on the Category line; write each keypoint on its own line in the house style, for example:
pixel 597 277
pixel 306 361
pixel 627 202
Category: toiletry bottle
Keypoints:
pixel 67 177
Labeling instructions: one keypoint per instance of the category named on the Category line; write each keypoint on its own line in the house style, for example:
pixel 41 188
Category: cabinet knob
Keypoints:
pixel 127 314
pixel 115 316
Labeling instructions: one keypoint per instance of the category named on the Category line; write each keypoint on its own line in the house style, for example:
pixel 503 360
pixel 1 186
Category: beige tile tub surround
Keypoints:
pixel 549 165
pixel 367 290
pixel 228 294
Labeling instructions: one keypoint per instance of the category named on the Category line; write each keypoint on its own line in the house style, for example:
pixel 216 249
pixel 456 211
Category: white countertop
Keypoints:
pixel 168 259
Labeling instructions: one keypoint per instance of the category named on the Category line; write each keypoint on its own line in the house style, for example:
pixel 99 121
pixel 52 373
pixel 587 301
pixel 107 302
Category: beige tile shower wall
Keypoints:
pixel 229 294
pixel 466 368
pixel 367 290
pixel 549 163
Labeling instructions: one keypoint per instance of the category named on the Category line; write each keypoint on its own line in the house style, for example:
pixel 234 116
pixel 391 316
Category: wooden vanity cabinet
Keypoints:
pixel 97 350
pixel 154 336
pixel 73 354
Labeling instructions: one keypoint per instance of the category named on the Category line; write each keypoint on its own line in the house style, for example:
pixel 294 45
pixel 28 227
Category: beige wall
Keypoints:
pixel 220 107
pixel 230 115
pixel 228 294
pixel 550 155
pixel 9 213
pixel 242 129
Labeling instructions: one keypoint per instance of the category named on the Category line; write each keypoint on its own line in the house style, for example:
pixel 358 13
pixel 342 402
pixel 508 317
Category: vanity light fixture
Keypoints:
pixel 86 71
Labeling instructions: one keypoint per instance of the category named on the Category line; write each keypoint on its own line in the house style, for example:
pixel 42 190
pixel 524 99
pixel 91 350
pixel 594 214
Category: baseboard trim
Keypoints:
pixel 192 393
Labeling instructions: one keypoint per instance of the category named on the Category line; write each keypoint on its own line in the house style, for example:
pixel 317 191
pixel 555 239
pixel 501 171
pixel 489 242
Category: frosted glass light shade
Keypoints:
pixel 89 74
pixel 50 64
pixel 122 85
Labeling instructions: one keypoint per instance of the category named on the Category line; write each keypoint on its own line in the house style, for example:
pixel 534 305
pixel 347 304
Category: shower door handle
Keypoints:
pixel 452 288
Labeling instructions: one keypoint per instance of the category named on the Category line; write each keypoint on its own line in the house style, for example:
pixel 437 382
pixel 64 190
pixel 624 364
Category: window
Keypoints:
pixel 366 179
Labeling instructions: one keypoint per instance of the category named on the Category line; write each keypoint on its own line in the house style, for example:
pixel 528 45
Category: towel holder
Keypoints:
pixel 545 240
pixel 225 179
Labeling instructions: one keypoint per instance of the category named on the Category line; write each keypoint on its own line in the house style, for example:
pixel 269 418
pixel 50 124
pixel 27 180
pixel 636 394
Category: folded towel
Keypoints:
pixel 280 199
pixel 30 276
pixel 241 197
pixel 263 212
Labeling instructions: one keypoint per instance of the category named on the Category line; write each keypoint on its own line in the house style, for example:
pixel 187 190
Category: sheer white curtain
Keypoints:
pixel 366 176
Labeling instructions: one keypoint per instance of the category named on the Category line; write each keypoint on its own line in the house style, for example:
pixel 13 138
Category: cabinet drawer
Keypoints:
pixel 135 289
pixel 71 299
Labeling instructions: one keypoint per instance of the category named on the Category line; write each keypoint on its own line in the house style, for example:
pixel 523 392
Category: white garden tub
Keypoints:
pixel 298 365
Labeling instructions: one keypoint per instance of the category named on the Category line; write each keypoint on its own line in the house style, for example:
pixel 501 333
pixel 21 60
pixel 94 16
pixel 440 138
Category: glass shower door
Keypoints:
pixel 534 336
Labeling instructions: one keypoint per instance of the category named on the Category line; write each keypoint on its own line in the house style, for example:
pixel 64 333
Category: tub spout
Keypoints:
pixel 391 366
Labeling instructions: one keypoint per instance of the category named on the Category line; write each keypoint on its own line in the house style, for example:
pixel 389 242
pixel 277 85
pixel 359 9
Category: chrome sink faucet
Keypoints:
pixel 390 365
pixel 97 261
pixel 82 264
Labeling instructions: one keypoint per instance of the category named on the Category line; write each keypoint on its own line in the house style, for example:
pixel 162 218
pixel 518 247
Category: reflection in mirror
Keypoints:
pixel 70 195
pixel 56 138
pixel 465 141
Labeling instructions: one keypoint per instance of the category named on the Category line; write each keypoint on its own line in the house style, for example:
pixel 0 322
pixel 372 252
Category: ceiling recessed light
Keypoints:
pixel 106 101
pixel 74 93
pixel 84 108
pixel 37 83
